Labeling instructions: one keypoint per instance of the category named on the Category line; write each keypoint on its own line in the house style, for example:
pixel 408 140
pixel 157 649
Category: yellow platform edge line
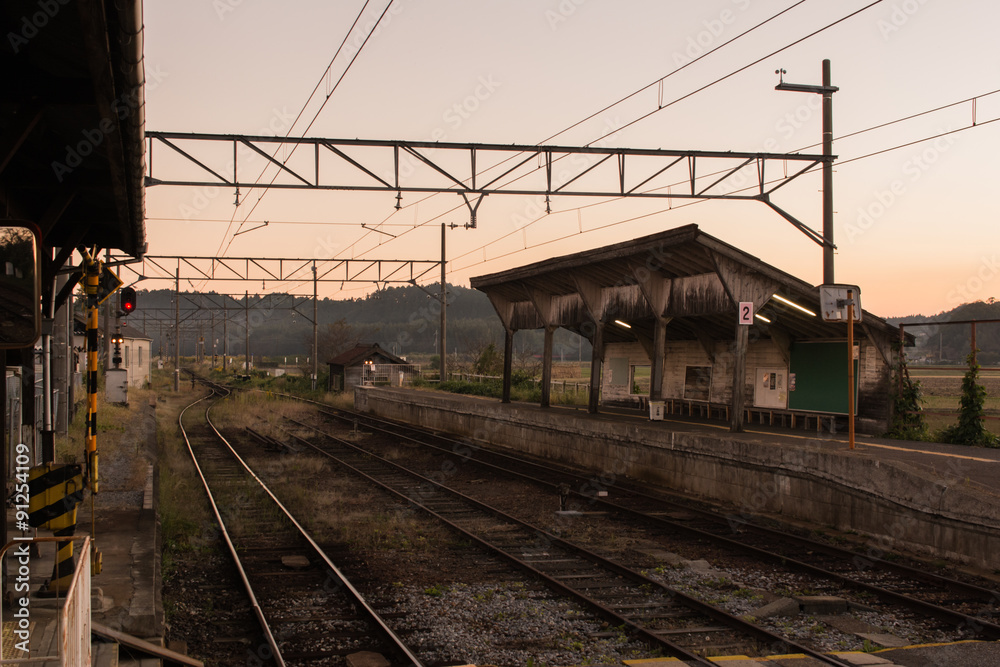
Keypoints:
pixel 794 656
pixel 932 645
pixel 912 646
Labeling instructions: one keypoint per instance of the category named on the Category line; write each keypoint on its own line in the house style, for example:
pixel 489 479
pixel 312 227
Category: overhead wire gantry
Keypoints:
pixel 476 170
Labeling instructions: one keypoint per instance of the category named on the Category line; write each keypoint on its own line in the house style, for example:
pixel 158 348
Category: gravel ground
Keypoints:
pixel 743 592
pixel 506 625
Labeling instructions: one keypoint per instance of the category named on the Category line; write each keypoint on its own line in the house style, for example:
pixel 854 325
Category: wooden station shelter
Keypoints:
pixel 665 307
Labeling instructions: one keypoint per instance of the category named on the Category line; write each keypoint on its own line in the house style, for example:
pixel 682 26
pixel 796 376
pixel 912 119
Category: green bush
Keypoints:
pixel 970 429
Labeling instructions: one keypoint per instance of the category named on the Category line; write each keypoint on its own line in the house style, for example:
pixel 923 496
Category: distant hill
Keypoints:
pixel 403 319
pixel 951 344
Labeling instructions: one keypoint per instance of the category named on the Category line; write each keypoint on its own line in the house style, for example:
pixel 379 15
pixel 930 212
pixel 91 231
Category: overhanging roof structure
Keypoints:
pixel 71 121
pixel 683 275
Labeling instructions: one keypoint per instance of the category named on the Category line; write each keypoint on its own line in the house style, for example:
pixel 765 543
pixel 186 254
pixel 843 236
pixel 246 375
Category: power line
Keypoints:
pixel 597 113
pixel 692 93
pixel 280 222
pixel 301 111
pixel 323 105
pixel 701 201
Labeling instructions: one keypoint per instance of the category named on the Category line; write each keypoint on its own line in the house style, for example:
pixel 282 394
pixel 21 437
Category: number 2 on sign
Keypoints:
pixel 746 312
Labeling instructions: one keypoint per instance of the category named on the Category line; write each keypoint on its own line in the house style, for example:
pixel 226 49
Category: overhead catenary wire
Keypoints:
pixel 304 107
pixel 657 82
pixel 329 94
pixel 681 98
pixel 976 124
pixel 839 162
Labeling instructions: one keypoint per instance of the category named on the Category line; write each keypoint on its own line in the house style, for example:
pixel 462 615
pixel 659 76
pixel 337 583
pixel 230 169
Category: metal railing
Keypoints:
pixel 73 632
pixel 563 385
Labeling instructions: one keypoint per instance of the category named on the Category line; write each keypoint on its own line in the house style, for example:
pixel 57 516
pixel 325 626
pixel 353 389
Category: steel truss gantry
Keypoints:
pixel 276 269
pixel 462 168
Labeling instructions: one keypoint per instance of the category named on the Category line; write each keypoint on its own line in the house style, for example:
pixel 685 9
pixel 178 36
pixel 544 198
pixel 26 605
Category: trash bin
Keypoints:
pixel 656 411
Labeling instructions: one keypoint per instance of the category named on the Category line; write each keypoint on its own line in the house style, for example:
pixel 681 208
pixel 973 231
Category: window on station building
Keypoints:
pixel 641 376
pixel 698 383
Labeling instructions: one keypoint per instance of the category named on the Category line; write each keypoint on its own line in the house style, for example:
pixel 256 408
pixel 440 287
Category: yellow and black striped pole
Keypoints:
pixel 92 287
pixel 90 443
pixel 55 490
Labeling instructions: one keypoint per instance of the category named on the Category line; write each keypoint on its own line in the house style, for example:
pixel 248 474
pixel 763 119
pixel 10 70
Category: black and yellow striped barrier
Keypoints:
pixel 92 286
pixel 55 490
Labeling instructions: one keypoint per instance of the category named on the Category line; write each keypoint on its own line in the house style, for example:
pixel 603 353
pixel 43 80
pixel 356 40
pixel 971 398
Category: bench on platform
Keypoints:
pixel 765 416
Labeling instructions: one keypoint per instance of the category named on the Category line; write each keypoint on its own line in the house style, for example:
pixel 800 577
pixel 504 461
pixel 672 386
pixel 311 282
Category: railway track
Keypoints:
pixel 970 608
pixel 665 619
pixel 308 612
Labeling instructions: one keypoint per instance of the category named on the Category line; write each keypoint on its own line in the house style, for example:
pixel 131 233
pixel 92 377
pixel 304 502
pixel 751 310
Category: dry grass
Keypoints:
pixel 339 510
pixel 120 440
pixel 185 516
pixel 263 412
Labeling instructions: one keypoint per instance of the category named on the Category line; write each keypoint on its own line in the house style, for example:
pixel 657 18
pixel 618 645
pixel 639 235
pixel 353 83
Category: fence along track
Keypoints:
pixel 221 465
pixel 923 591
pixel 655 613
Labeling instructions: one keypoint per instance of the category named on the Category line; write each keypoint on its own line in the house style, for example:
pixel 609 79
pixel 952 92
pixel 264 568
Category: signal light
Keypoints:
pixel 126 300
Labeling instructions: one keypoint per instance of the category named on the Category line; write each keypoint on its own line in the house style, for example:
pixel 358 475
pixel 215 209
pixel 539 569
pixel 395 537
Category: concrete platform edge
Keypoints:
pixel 815 480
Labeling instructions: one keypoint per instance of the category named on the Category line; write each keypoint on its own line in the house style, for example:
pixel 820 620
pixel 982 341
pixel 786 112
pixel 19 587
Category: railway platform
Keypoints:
pixel 126 609
pixel 937 500
pixel 974 466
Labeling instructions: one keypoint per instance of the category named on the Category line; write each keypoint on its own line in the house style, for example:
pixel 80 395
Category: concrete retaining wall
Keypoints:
pixel 817 481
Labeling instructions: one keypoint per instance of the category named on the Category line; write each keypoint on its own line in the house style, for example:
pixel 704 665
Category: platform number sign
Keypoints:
pixel 746 312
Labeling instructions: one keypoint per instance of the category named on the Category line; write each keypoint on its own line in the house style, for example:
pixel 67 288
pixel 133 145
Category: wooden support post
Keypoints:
pixel 547 366
pixel 850 369
pixel 973 334
pixel 739 377
pixel 596 359
pixel 659 343
pixel 508 361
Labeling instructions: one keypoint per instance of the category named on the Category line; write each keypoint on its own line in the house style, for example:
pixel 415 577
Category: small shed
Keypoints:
pixel 368 364
pixel 136 355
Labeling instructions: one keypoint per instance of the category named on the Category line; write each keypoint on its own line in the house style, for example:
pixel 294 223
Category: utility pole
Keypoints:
pixel 444 311
pixel 246 311
pixel 177 329
pixel 225 333
pixel 315 371
pixel 826 90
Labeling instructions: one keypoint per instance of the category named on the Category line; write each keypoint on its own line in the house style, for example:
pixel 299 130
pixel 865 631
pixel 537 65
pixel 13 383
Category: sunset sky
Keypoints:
pixel 916 227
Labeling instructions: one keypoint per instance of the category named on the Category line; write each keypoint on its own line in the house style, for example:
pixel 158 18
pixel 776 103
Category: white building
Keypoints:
pixel 136 355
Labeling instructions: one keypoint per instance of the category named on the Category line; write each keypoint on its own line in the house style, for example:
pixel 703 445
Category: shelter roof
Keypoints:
pixel 133 333
pixel 683 274
pixel 71 121
pixel 362 351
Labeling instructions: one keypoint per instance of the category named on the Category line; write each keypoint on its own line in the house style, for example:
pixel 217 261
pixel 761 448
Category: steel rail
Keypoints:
pixel 347 585
pixel 688 601
pixel 258 612
pixel 979 625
